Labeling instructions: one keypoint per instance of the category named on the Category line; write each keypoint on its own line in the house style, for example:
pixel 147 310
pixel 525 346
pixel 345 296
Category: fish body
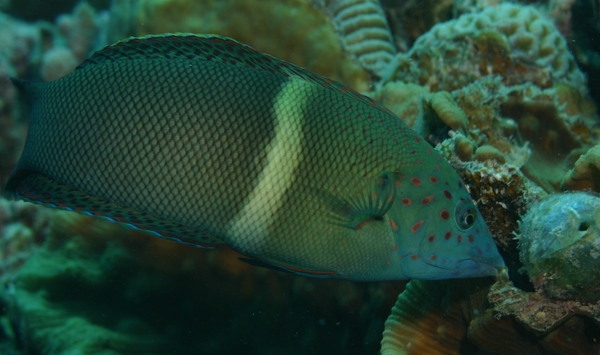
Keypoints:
pixel 203 140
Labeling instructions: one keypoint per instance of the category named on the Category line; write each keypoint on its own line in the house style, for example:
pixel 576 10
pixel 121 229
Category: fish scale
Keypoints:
pixel 203 140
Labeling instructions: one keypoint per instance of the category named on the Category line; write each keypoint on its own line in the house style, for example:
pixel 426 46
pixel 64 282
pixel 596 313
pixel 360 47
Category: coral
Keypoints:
pixel 292 30
pixel 536 312
pixel 522 125
pixel 516 42
pixel 18 43
pixel 410 19
pixel 22 230
pixel 422 322
pixel 448 111
pixel 463 147
pixel 559 11
pixel 57 62
pixel 403 99
pixel 364 33
pixel 96 287
pixel 501 192
pixel 454 317
pixel 80 29
pixel 586 173
pixel 531 127
pixel 560 246
pixel 488 152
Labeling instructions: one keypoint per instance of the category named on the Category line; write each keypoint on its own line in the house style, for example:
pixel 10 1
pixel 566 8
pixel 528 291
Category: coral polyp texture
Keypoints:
pixel 517 42
pixel 364 33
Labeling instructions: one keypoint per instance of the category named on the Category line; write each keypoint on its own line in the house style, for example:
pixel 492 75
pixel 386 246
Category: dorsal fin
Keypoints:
pixel 216 49
pixel 28 88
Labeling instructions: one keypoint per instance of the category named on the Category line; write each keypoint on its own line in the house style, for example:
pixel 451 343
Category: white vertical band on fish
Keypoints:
pixel 364 33
pixel 283 157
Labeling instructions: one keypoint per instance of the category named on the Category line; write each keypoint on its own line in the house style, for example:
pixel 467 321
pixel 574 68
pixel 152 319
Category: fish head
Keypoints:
pixel 443 235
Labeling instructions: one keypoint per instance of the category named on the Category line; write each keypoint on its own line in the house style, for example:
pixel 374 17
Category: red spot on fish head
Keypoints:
pixel 445 215
pixel 447 194
pixel 437 166
pixel 416 226
pixel 428 151
pixel 471 238
pixel 431 238
pixel 433 179
pixel 419 161
pixel 433 257
pixel 448 235
pixel 406 201
pixel 393 225
pixel 414 257
pixel 416 181
pixel 417 139
pixel 427 199
pixel 459 238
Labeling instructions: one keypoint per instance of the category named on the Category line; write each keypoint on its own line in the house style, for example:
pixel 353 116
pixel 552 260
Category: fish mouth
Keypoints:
pixel 477 268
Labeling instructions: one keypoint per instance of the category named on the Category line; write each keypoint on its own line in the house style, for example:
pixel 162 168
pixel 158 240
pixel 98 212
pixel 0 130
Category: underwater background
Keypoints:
pixel 505 90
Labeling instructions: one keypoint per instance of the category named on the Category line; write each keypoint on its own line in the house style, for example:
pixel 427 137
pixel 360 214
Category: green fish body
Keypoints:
pixel 203 140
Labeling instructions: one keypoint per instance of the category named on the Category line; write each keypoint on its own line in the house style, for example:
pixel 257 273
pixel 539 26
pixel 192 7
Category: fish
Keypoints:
pixel 203 140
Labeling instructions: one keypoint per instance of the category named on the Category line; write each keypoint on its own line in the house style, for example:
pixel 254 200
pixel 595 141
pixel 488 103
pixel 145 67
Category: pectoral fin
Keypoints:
pixel 354 208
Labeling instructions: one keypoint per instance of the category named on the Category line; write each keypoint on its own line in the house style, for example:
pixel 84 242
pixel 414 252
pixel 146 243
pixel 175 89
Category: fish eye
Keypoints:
pixel 466 215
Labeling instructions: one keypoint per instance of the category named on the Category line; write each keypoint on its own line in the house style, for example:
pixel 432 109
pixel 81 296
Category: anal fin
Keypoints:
pixel 278 266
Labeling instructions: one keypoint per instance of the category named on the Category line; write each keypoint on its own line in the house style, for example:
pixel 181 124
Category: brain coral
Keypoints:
pixel 517 42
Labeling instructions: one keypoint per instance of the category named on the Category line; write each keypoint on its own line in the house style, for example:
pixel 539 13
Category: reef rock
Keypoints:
pixel 560 246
